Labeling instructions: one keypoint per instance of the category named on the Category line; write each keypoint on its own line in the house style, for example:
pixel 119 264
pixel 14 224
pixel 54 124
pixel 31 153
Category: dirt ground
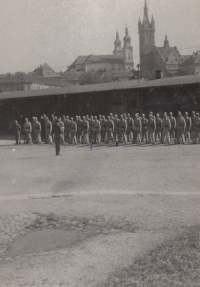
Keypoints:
pixel 75 219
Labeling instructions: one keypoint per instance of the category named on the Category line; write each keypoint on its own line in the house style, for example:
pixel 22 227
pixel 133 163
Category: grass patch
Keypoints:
pixel 175 263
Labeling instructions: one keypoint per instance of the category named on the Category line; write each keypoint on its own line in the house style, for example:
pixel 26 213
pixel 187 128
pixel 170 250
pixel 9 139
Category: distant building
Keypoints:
pixel 45 71
pixel 154 58
pixel 192 65
pixel 122 58
pixel 20 82
pixel 25 82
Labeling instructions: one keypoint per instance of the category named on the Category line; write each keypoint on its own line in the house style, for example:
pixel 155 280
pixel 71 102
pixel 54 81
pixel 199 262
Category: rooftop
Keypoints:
pixel 132 84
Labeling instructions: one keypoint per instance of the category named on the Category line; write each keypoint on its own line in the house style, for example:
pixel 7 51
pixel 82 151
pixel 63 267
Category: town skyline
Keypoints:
pixel 45 31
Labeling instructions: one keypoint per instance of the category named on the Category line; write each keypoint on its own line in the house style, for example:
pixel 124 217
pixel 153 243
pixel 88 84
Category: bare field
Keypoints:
pixel 124 200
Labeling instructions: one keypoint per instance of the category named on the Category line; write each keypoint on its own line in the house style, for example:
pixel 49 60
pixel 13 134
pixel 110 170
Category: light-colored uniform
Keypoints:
pixel 110 130
pixel 49 132
pixel 103 130
pixel 73 130
pixel 130 131
pixel 166 126
pixel 151 129
pixel 122 130
pixel 38 133
pixel 116 128
pixel 97 131
pixel 67 130
pixel 27 131
pixel 180 127
pixel 137 127
pixel 158 131
pixel 85 130
pixel 173 127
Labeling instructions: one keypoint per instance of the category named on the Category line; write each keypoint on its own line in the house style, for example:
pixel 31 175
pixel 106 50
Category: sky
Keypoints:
pixel 56 32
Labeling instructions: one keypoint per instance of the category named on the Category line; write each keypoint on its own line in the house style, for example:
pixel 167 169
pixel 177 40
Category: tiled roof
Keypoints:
pixel 166 52
pixel 43 71
pixel 132 84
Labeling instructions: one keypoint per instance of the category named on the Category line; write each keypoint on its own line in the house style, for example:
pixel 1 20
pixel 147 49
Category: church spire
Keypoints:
pixel 146 16
pixel 166 42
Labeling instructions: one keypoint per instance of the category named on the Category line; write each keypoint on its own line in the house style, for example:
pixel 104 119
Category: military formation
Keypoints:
pixel 114 129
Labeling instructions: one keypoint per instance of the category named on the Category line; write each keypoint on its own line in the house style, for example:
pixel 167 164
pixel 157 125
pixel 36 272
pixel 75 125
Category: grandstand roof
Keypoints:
pixel 132 84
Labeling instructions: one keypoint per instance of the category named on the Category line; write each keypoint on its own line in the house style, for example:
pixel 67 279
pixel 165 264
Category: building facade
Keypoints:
pixel 192 65
pixel 154 58
pixel 122 58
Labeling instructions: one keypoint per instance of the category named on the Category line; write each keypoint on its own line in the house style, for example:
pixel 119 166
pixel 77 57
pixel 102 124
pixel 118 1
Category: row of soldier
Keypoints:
pixel 125 129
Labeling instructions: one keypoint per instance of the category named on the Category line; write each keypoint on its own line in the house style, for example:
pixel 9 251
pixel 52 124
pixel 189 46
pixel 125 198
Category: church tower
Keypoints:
pixel 146 30
pixel 117 44
pixel 127 52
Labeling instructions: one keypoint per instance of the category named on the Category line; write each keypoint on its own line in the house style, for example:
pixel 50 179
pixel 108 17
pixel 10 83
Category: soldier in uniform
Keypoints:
pixel 43 137
pixel 180 127
pixel 53 122
pixel 48 131
pixel 58 132
pixel 37 132
pixel 96 131
pixel 158 132
pixel 129 128
pixel 122 129
pixel 173 126
pixel 33 129
pixel 166 126
pixel 91 129
pixel 27 131
pixel 125 117
pixel 192 128
pixel 88 119
pixel 73 131
pixel 79 129
pixel 85 130
pixel 67 129
pixel 103 129
pixel 17 132
pixel 144 123
pixel 116 128
pixel 62 141
pixel 151 128
pixel 110 130
pixel 188 122
pixel 196 128
pixel 137 127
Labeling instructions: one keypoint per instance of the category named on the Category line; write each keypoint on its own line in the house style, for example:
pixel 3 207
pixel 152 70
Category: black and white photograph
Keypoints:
pixel 100 143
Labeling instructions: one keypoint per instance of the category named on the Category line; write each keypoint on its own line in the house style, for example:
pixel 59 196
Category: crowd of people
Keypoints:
pixel 87 130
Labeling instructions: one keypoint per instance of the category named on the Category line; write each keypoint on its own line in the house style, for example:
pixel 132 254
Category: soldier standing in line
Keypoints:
pixel 97 131
pixel 110 130
pixel 158 132
pixel 85 130
pixel 188 122
pixel 17 132
pixel 151 129
pixel 166 126
pixel 33 129
pixel 103 129
pixel 180 127
pixel 122 129
pixel 62 141
pixel 116 128
pixel 144 123
pixel 73 131
pixel 37 132
pixel 42 129
pixel 27 131
pixel 89 133
pixel 130 125
pixel 196 128
pixel 173 126
pixel 48 131
pixel 67 129
pixel 193 116
pixel 125 117
pixel 137 127
pixel 91 129
pixel 79 129
pixel 58 132
pixel 53 122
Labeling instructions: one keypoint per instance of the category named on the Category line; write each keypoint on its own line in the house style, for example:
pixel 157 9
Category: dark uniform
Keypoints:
pixel 144 123
pixel 58 132
pixel 130 125
pixel 180 127
pixel 17 132
pixel 110 130
pixel 158 129
pixel 151 129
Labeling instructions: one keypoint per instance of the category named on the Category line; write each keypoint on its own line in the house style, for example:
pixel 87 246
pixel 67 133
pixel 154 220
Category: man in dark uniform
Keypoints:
pixel 42 129
pixel 17 132
pixel 58 132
